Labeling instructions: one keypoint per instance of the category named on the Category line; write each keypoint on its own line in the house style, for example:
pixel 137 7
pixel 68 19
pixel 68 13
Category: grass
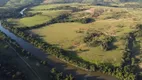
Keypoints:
pixel 60 33
pixel 45 6
pixel 51 13
pixel 112 23
pixel 64 35
pixel 49 6
pixel 44 17
pixel 31 21
pixel 115 22
pixel 97 55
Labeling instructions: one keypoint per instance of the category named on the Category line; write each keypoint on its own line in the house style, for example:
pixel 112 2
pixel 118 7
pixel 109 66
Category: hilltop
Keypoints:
pixel 90 1
pixel 3 2
pixel 17 3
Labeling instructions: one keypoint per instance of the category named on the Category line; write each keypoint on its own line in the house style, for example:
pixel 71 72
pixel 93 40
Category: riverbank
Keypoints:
pixel 36 68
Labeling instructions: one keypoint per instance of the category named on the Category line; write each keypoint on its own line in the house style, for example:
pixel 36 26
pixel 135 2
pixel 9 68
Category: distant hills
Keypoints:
pixel 3 2
pixel 14 3
pixel 90 1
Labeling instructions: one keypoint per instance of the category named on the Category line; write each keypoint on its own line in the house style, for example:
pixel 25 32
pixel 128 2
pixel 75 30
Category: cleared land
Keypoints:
pixel 115 22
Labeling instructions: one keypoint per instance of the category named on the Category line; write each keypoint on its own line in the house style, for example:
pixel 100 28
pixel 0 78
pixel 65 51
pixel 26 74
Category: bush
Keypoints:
pixel 86 20
pixel 96 38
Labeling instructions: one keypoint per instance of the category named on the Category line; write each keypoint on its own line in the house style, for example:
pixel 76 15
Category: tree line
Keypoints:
pixel 8 69
pixel 59 19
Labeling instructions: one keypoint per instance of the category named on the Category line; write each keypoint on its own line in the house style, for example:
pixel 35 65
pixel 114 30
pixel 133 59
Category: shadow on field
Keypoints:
pixel 76 72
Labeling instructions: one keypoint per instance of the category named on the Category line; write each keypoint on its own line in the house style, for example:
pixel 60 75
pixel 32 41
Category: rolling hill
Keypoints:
pixel 14 3
pixel 89 1
pixel 3 2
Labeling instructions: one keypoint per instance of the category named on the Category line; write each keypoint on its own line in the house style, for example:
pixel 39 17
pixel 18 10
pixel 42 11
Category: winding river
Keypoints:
pixel 22 11
pixel 79 74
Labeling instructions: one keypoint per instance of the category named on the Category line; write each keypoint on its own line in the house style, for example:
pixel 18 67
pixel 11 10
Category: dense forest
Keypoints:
pixel 3 2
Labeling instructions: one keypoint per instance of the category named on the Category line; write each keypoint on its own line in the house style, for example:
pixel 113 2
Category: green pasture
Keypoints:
pixel 116 22
pixel 65 35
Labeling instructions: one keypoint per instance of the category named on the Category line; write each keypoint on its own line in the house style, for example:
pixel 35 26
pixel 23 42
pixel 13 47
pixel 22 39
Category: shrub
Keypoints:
pixel 86 20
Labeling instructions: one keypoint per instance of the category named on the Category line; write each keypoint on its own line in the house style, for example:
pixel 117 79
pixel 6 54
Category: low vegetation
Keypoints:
pixel 93 38
pixel 9 69
pixel 107 41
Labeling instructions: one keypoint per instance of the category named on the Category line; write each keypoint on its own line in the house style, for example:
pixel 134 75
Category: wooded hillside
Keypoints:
pixel 88 1
pixel 3 2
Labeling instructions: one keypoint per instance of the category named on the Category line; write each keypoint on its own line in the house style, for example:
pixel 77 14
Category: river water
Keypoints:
pixel 22 11
pixel 79 74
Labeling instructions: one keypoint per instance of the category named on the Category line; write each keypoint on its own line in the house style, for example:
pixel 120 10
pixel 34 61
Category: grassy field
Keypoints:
pixel 44 17
pixel 64 35
pixel 31 21
pixel 50 6
pixel 116 22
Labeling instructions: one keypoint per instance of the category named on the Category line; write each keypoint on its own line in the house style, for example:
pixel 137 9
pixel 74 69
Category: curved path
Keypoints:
pixel 79 74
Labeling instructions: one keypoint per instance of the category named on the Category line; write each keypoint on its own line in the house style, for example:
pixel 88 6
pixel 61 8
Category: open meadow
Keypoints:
pixel 110 22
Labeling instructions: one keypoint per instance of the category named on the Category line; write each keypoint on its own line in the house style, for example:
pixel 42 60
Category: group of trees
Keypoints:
pixel 138 32
pixel 97 38
pixel 59 75
pixel 106 68
pixel 84 20
pixel 65 18
pixel 8 69
pixel 11 12
pixel 6 13
pixel 129 61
